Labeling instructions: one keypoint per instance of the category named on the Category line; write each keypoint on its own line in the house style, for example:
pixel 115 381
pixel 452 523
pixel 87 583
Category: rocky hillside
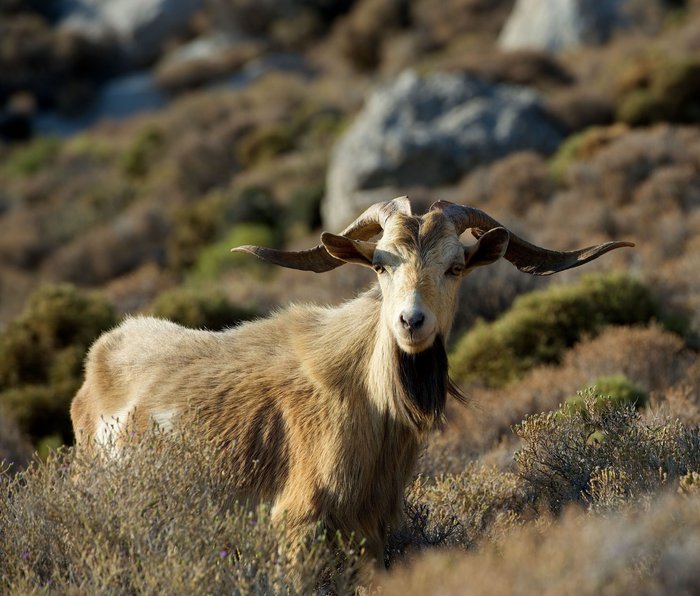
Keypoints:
pixel 141 139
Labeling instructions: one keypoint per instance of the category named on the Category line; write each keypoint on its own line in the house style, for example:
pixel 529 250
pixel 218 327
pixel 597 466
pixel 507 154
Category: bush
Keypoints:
pixel 602 453
pixel 463 510
pixel 29 159
pixel 161 519
pixel 617 390
pixel 216 259
pixel 582 145
pixel 192 308
pixel 139 157
pixel 658 90
pixel 541 325
pixel 199 224
pixel 305 206
pixel 15 448
pixel 642 550
pixel 41 355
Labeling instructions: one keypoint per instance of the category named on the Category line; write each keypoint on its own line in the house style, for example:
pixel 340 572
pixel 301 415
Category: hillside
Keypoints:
pixel 137 148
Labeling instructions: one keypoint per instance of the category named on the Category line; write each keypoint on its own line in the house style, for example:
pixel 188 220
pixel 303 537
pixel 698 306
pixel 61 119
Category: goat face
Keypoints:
pixel 420 262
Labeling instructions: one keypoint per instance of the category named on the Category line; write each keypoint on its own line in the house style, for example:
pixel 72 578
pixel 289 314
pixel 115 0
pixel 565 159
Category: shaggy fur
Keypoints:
pixel 320 411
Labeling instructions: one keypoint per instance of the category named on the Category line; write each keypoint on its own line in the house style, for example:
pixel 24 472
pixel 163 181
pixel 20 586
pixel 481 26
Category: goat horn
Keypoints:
pixel 525 256
pixel 317 259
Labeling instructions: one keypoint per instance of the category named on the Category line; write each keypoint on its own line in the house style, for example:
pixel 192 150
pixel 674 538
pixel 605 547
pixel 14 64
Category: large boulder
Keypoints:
pixel 427 132
pixel 138 27
pixel 559 24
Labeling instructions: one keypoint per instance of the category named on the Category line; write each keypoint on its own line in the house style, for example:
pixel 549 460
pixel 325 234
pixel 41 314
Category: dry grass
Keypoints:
pixel 160 519
pixel 651 550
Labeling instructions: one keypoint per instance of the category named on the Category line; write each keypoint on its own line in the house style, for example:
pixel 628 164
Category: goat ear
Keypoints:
pixel 348 250
pixel 488 249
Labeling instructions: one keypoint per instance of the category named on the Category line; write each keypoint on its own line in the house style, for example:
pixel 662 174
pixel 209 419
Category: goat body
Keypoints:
pixel 320 411
pixel 323 439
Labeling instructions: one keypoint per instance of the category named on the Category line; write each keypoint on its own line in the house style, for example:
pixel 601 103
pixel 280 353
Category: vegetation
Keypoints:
pixel 161 519
pixel 603 453
pixel 658 90
pixel 597 400
pixel 541 325
pixel 617 389
pixel 41 356
pixel 199 309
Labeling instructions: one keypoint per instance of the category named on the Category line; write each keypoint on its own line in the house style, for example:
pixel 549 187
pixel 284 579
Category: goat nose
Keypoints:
pixel 413 320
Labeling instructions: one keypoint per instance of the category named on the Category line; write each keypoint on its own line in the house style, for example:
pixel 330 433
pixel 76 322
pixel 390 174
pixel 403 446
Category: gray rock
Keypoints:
pixel 428 132
pixel 120 98
pixel 139 27
pixel 202 48
pixel 558 24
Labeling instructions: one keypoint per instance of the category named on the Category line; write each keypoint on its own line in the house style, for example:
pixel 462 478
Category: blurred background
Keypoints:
pixel 141 139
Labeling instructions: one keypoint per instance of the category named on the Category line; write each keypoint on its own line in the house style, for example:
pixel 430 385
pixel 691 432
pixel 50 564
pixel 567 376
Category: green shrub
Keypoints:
pixel 216 259
pixel 201 223
pixel 541 325
pixel 160 520
pixel 263 143
pixel 661 90
pixel 41 354
pixel 255 204
pixel 615 389
pixel 139 157
pixel 305 206
pixel 582 145
pixel 193 308
pixel 29 159
pixel 602 453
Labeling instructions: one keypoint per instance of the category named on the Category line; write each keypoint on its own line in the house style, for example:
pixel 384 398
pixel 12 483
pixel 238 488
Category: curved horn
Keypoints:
pixel 525 256
pixel 317 259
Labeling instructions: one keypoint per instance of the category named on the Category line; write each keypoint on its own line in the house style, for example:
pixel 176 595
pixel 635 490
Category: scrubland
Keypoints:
pixel 576 466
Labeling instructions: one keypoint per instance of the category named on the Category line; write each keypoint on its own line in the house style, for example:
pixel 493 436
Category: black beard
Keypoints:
pixel 425 384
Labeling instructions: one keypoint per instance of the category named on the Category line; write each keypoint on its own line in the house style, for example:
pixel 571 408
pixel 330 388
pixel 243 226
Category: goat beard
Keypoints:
pixel 425 384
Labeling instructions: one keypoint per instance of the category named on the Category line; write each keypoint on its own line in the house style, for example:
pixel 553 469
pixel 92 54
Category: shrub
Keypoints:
pixel 644 550
pixel 659 90
pixel 161 519
pixel 541 325
pixel 462 509
pixel 359 36
pixel 602 453
pixel 41 355
pixel 582 145
pixel 139 157
pixel 266 142
pixel 15 448
pixel 305 206
pixel 216 259
pixel 193 308
pixel 29 159
pixel 615 389
pixel 201 223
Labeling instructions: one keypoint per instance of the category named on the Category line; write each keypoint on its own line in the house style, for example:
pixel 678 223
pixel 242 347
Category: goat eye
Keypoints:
pixel 455 270
pixel 378 268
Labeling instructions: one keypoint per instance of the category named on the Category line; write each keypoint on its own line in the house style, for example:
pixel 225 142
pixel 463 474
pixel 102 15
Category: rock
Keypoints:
pixel 558 24
pixel 427 132
pixel 118 99
pixel 139 27
pixel 206 60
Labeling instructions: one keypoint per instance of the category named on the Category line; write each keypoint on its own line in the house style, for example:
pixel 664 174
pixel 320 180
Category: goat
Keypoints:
pixel 321 411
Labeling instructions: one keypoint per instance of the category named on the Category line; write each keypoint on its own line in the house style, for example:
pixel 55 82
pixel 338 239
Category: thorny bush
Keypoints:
pixel 603 454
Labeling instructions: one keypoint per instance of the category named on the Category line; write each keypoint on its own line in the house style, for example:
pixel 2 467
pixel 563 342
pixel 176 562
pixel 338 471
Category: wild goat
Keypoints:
pixel 321 410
